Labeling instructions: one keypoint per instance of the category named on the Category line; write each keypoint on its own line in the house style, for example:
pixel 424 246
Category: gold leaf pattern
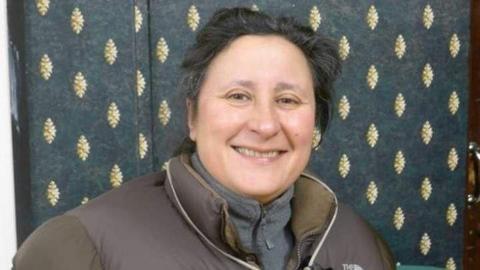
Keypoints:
pixel 315 18
pixel 84 200
pixel 450 265
pixel 454 45
pixel 426 189
pixel 116 176
pixel 372 77
pixel 343 48
pixel 399 163
pixel 425 244
pixel 77 21
pixel 140 83
pixel 110 52
pixel 399 105
pixel 372 192
pixel 400 47
pixel 46 67
pixel 428 16
pixel 113 115
pixel 452 159
pixel 42 6
pixel 138 19
pixel 142 146
pixel 80 85
pixel 372 17
pixel 162 50
pixel 344 166
pixel 49 131
pixel 451 215
pixel 83 148
pixel 398 219
pixel 343 108
pixel 453 103
pixel 254 8
pixel 193 18
pixel 53 193
pixel 164 113
pixel 372 135
pixel 317 137
pixel 427 132
pixel 427 75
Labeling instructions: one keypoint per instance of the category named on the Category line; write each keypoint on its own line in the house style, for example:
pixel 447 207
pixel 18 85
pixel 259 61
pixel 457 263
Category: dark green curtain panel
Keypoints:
pixel 100 106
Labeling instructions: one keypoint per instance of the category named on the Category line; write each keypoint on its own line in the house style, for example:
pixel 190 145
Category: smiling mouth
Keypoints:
pixel 258 154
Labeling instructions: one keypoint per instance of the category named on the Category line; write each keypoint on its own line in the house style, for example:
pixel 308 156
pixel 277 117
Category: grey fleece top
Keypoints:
pixel 263 229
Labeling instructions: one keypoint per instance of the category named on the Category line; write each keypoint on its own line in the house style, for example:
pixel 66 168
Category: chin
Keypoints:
pixel 262 194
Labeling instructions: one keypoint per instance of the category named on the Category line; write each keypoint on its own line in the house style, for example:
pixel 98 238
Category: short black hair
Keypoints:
pixel 228 24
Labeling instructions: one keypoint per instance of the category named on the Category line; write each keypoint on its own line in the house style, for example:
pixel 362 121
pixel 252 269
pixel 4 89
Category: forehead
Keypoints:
pixel 261 44
pixel 259 40
pixel 261 58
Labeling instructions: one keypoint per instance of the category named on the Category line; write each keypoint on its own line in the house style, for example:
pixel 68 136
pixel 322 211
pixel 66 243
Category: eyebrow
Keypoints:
pixel 244 83
pixel 286 86
pixel 279 87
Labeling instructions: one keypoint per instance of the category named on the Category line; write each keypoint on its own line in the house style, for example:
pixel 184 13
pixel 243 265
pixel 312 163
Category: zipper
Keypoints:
pixel 299 250
pixel 263 212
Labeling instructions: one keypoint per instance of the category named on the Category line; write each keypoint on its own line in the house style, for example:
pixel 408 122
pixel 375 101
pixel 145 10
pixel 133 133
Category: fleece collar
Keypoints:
pixel 262 229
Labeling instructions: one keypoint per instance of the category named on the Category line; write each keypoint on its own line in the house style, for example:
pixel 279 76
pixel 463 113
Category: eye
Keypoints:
pixel 238 97
pixel 288 101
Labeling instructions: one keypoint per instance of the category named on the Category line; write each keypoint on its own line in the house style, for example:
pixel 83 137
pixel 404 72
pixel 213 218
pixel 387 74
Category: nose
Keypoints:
pixel 264 120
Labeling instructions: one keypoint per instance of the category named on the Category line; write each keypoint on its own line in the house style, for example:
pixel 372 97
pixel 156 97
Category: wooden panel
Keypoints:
pixel 472 212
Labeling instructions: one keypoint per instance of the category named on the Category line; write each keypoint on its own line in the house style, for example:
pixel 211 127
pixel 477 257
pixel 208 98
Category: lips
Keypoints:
pixel 267 154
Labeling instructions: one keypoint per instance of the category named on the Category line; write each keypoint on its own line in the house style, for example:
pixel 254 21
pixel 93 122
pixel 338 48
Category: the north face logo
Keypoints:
pixel 351 267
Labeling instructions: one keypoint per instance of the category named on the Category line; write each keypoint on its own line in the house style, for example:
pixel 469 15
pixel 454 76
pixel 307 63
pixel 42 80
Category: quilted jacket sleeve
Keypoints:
pixel 59 244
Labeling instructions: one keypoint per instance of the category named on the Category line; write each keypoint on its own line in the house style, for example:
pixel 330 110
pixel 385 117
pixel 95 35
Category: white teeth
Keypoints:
pixel 252 153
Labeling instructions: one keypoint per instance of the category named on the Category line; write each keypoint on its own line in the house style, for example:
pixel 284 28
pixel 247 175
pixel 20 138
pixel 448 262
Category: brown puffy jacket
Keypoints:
pixel 173 220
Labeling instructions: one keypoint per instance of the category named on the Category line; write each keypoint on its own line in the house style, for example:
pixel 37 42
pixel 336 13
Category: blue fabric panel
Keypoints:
pixel 143 97
pixel 73 116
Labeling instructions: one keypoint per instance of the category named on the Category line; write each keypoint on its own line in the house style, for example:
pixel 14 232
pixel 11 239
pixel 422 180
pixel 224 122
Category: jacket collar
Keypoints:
pixel 313 205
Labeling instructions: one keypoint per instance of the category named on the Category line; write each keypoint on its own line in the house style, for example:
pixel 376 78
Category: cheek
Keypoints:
pixel 216 119
pixel 301 126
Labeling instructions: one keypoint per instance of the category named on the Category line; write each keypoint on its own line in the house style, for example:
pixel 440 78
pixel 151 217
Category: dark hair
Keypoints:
pixel 228 24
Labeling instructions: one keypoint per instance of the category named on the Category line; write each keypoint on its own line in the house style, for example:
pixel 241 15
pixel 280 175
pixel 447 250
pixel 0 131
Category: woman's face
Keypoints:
pixel 255 116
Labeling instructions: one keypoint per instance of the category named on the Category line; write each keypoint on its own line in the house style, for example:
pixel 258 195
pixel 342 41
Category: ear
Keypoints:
pixel 191 119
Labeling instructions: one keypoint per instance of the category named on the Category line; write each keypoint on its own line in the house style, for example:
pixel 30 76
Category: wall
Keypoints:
pixel 7 206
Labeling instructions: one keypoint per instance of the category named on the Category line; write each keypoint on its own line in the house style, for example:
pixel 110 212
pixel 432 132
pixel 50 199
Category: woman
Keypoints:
pixel 236 196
